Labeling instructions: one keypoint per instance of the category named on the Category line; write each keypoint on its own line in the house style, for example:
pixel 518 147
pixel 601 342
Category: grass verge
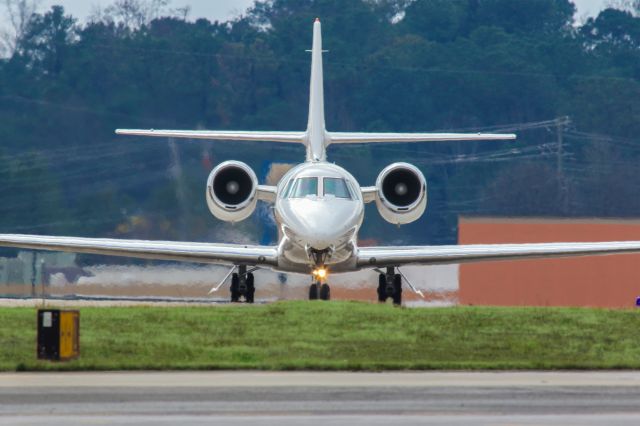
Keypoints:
pixel 334 336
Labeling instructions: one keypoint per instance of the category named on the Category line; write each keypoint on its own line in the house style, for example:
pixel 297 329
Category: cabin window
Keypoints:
pixel 336 187
pixel 304 187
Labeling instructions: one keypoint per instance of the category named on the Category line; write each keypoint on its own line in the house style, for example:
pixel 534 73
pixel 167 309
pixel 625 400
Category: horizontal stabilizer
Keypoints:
pixel 230 135
pixel 350 137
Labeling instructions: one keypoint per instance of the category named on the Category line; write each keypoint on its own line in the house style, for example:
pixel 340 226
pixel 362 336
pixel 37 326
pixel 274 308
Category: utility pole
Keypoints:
pixel 561 122
pixel 181 197
pixel 34 255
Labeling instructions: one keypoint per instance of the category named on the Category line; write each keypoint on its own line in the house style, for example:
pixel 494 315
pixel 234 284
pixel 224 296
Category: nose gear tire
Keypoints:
pixel 313 292
pixel 325 292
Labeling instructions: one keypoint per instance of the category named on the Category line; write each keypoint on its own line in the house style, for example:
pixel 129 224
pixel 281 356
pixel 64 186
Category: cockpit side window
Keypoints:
pixel 287 190
pixel 351 190
pixel 304 187
pixel 336 187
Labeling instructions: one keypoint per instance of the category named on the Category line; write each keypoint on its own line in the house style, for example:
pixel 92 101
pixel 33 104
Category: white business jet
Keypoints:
pixel 319 208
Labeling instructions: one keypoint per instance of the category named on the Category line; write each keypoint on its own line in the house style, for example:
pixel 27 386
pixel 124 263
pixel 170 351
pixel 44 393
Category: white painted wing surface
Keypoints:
pixel 349 137
pixel 438 255
pixel 229 135
pixel 160 250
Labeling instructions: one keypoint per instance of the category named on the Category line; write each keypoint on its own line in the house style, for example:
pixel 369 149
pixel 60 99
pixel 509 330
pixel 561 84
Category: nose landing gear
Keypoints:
pixel 390 286
pixel 318 288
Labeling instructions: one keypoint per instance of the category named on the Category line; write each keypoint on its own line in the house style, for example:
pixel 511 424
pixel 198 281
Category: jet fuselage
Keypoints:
pixel 319 210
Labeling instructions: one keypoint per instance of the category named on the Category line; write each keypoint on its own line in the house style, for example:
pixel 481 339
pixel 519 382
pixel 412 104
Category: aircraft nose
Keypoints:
pixel 328 232
pixel 321 228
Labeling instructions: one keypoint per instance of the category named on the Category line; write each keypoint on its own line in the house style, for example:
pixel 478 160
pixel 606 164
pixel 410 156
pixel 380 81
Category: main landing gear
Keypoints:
pixel 390 286
pixel 242 285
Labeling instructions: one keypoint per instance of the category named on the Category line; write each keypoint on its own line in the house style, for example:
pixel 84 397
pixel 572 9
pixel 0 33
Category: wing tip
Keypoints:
pixel 497 135
pixel 134 131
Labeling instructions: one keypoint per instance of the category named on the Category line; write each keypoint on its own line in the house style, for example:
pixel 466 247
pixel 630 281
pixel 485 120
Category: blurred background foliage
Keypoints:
pixel 571 92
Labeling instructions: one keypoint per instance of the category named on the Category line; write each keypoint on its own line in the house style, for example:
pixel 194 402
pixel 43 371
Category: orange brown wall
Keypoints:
pixel 600 281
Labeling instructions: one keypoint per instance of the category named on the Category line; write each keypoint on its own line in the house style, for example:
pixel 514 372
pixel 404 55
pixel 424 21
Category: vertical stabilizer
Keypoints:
pixel 316 133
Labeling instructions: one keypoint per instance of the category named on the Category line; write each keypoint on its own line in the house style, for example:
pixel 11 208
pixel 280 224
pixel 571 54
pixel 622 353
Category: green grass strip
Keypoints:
pixel 334 336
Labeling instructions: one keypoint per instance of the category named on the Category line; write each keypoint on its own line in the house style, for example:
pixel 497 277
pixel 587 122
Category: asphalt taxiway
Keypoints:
pixel 288 398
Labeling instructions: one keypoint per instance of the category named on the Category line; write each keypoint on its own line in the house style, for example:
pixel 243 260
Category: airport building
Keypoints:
pixel 598 281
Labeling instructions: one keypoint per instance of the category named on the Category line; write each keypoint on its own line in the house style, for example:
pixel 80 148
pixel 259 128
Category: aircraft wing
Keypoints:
pixel 438 255
pixel 349 137
pixel 160 250
pixel 230 135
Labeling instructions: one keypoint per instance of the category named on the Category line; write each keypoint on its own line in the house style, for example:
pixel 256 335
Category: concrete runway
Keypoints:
pixel 274 398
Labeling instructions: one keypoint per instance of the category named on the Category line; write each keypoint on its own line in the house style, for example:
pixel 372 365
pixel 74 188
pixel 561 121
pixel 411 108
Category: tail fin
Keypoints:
pixel 317 138
pixel 316 132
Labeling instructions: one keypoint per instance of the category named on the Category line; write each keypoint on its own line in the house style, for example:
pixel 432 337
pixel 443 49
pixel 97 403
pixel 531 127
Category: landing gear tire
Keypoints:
pixel 251 289
pixel 382 291
pixel 235 291
pixel 325 292
pixel 242 285
pixel 397 289
pixel 313 292
pixel 390 287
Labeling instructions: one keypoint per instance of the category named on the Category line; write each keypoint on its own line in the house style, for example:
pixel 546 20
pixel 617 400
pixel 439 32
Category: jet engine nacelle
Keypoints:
pixel 232 191
pixel 402 193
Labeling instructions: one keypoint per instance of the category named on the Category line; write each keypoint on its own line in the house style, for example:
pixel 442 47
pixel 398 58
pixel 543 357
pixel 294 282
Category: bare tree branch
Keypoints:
pixel 133 14
pixel 632 6
pixel 19 13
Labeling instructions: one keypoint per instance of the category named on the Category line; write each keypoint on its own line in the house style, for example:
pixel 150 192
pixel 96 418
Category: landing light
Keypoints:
pixel 320 273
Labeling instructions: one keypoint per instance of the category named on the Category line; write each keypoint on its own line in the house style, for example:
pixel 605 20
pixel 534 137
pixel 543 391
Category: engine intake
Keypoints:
pixel 402 193
pixel 232 191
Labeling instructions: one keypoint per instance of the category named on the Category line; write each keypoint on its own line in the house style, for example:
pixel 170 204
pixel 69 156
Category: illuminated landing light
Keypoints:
pixel 320 273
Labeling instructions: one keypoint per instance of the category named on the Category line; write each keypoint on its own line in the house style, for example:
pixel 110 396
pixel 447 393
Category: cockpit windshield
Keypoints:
pixel 304 187
pixel 336 187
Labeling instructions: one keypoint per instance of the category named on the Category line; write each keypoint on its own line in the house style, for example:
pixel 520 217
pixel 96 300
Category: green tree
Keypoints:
pixel 47 39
